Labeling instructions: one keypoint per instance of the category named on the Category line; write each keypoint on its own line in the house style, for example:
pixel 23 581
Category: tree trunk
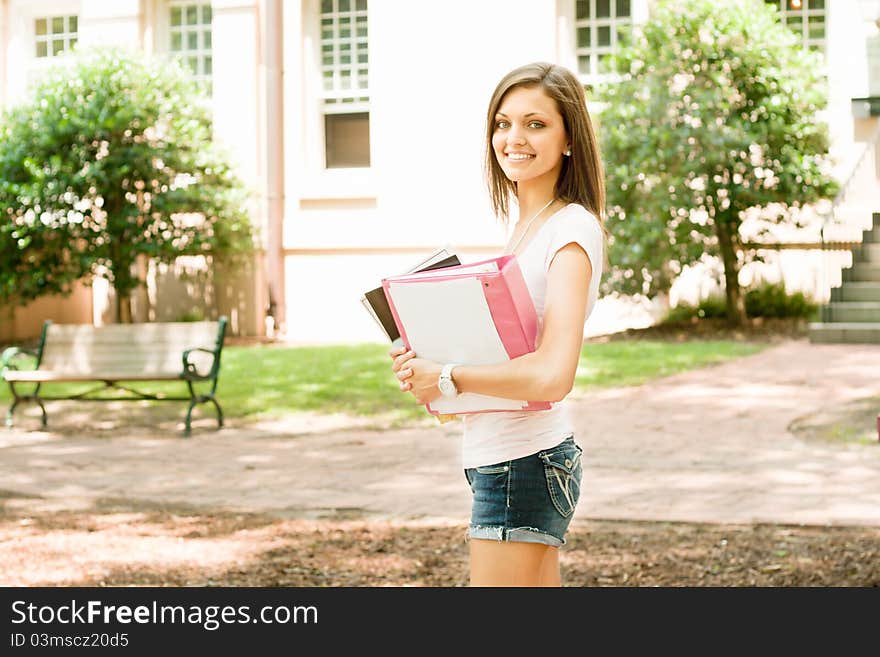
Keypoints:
pixel 123 308
pixel 728 244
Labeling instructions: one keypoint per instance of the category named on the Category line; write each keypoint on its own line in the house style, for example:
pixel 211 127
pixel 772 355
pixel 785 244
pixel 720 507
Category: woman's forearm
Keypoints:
pixel 531 377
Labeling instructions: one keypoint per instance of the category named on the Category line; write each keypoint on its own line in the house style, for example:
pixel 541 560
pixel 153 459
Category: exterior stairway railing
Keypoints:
pixel 830 215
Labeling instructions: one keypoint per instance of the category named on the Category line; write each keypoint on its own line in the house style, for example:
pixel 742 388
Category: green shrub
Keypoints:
pixel 765 300
pixel 771 300
pixel 710 307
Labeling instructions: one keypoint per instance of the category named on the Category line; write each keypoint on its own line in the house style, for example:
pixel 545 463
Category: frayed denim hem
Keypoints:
pixel 516 534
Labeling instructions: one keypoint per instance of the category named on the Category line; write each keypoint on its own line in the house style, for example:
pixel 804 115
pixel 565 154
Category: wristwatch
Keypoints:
pixel 445 383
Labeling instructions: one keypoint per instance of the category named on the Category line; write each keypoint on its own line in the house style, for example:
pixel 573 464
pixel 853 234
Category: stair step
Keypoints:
pixel 862 271
pixel 868 251
pixel 856 291
pixel 845 332
pixel 853 311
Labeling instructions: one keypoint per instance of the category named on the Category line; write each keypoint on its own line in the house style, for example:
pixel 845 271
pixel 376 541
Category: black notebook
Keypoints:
pixel 377 304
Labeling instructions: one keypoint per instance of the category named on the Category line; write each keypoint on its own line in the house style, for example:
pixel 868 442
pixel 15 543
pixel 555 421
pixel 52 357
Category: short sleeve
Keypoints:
pixel 579 226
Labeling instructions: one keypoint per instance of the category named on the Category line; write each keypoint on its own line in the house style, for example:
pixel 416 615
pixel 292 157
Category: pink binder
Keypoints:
pixel 474 313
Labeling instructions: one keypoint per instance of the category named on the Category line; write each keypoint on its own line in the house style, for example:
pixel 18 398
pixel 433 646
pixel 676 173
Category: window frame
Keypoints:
pixel 201 53
pixel 337 99
pixel 595 51
pixel 69 38
pixel 805 13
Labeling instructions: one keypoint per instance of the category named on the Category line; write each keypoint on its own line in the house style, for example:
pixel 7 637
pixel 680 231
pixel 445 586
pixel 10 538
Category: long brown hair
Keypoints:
pixel 582 179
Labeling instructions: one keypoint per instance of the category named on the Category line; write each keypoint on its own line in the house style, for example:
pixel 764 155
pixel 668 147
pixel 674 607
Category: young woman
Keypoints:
pixel 524 468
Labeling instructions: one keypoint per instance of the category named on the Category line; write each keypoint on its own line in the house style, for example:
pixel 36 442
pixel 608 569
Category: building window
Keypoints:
pixel 345 83
pixel 55 35
pixel 189 35
pixel 806 18
pixel 600 25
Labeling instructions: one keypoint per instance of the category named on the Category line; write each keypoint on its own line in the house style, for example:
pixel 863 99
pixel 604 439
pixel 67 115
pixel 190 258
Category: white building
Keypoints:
pixel 360 123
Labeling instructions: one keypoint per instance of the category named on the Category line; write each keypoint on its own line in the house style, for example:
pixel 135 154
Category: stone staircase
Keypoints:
pixel 853 313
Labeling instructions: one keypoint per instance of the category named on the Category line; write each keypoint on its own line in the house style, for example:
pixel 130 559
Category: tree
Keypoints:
pixel 713 112
pixel 112 159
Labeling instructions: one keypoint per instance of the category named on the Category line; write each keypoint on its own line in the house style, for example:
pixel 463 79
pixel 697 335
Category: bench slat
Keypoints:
pixel 39 376
pixel 133 351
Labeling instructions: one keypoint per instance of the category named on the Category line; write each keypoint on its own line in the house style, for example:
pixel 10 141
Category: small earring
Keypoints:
pixel 568 152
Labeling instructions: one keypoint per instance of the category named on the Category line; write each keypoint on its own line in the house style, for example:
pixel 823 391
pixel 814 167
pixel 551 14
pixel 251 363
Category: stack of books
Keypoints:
pixel 473 314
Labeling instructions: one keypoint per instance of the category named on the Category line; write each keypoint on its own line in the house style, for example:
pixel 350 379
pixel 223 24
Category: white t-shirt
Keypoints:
pixel 491 438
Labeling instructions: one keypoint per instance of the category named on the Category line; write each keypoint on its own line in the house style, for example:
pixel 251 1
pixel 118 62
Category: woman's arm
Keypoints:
pixel 547 374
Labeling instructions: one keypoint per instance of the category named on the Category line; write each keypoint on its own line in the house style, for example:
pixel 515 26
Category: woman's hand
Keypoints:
pixel 416 375
pixel 399 357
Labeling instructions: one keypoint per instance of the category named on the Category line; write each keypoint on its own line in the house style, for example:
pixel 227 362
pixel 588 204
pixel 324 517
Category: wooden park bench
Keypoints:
pixel 111 355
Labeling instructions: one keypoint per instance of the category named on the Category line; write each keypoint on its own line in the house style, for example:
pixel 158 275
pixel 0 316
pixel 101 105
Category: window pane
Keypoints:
pixel 206 14
pixel 192 64
pixel 345 21
pixel 603 33
pixel 176 41
pixel 327 61
pixel 58 25
pixel 347 140
pixel 582 9
pixel 361 30
pixel 584 64
pixel 345 59
pixel 817 4
pixel 72 24
pixel 362 57
pixel 604 63
pixel 206 39
pixel 192 41
pixel 622 8
pixel 42 49
pixel 175 16
pixel 344 5
pixel 41 26
pixel 326 6
pixel 583 37
pixel 192 15
pixel 71 43
pixel 327 33
pixel 603 8
pixel 361 5
pixel 796 23
pixel 344 33
pixel 816 27
pixel 209 65
pixel 57 46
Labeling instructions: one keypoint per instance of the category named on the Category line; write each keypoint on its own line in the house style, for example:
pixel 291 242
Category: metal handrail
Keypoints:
pixel 847 184
pixel 839 198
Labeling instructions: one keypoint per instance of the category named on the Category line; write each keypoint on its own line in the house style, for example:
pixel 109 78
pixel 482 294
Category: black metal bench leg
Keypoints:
pixel 10 412
pixel 219 412
pixel 43 409
pixel 187 431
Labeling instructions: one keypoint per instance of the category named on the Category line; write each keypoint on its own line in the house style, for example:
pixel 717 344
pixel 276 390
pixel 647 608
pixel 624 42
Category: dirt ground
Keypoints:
pixel 126 544
pixel 130 542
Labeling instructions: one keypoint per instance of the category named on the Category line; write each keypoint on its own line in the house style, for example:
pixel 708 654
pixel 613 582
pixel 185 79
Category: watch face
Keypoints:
pixel 446 387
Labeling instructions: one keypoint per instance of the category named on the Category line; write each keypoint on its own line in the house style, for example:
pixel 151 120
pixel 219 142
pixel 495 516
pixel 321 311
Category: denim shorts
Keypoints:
pixel 530 499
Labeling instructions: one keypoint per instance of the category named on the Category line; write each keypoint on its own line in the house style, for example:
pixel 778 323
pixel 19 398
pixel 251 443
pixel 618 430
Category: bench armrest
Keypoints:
pixel 7 359
pixel 189 368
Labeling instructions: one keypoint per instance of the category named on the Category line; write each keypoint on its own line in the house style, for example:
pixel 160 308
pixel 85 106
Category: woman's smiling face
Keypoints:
pixel 529 137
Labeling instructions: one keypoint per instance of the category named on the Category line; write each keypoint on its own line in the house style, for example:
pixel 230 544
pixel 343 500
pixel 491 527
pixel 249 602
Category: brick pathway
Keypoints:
pixel 712 445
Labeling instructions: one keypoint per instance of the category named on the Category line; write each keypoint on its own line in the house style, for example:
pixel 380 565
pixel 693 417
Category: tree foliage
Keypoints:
pixel 110 159
pixel 712 112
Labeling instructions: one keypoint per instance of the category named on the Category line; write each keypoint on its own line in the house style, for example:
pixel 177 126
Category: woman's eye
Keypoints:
pixel 536 124
pixel 501 125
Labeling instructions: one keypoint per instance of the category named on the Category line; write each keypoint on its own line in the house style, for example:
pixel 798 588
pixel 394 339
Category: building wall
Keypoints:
pixel 432 69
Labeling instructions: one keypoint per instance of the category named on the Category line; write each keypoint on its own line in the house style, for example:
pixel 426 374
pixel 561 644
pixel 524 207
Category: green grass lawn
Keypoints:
pixel 269 381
